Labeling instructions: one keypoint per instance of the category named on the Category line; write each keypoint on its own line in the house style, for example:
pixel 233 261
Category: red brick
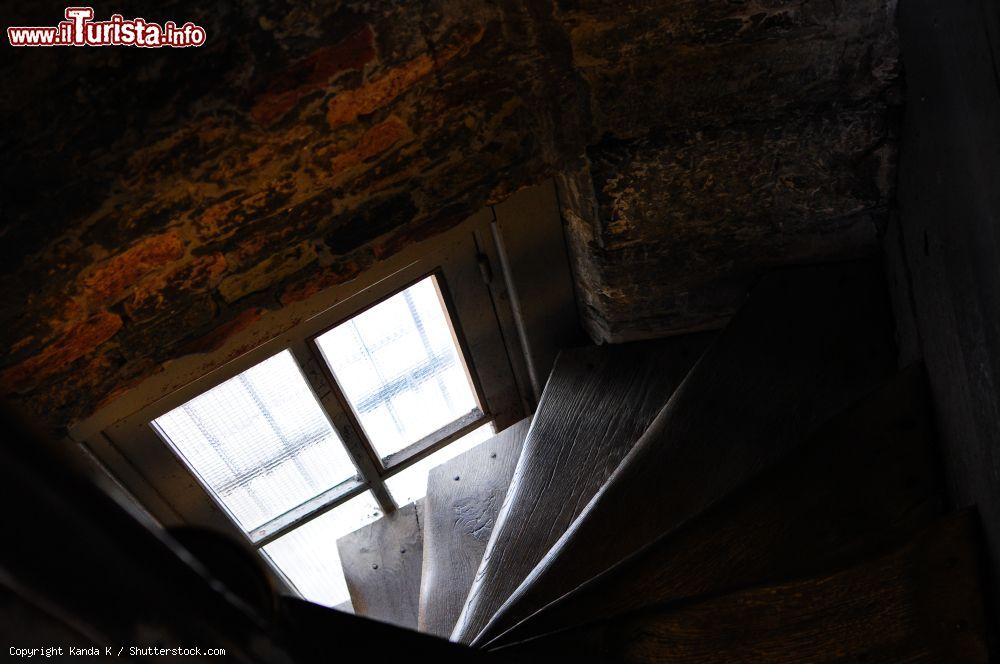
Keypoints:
pixel 218 337
pixel 329 276
pixel 349 105
pixel 372 143
pixel 79 340
pixel 314 73
pixel 163 290
pixel 111 281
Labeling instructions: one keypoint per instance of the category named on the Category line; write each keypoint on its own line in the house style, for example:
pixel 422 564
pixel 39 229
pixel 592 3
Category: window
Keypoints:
pixel 328 411
pixel 410 484
pixel 259 442
pixel 399 366
pixel 308 556
pixel 294 471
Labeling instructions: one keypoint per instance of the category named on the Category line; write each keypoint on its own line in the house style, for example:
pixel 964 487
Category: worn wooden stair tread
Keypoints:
pixel 382 565
pixel 809 342
pixel 867 480
pixel 595 405
pixel 463 499
pixel 921 602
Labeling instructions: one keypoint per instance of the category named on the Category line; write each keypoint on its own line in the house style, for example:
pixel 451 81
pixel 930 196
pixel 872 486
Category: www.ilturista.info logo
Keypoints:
pixel 79 29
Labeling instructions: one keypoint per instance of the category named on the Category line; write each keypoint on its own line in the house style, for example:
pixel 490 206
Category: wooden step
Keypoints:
pixel 344 606
pixel 382 565
pixel 464 496
pixel 867 480
pixel 596 404
pixel 809 342
pixel 921 602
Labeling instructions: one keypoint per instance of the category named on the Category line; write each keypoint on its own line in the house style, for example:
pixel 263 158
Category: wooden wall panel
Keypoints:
pixel 949 199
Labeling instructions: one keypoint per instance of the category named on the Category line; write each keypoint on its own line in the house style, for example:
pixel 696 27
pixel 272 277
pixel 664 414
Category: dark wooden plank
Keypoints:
pixel 382 564
pixel 463 499
pixel 921 602
pixel 596 404
pixel 866 480
pixel 949 198
pixel 809 342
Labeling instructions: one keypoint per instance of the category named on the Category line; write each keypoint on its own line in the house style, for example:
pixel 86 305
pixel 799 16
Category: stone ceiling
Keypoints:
pixel 158 201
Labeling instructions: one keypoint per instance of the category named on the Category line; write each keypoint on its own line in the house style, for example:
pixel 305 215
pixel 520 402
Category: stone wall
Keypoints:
pixel 729 138
pixel 160 201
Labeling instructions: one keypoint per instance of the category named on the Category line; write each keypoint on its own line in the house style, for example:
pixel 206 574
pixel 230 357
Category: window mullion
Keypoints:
pixel 359 449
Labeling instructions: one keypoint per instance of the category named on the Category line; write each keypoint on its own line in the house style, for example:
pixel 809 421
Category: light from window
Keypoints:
pixel 410 485
pixel 260 441
pixel 400 367
pixel 263 445
pixel 308 555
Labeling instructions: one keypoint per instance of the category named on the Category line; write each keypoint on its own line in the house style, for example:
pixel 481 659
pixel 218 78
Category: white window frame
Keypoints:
pixel 507 349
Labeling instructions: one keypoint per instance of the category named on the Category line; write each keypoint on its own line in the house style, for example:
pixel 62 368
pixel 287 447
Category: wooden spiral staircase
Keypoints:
pixel 770 492
pixel 766 493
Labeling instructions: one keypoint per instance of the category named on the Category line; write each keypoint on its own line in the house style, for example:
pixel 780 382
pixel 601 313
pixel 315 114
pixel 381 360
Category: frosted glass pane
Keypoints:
pixel 260 441
pixel 308 555
pixel 400 368
pixel 410 485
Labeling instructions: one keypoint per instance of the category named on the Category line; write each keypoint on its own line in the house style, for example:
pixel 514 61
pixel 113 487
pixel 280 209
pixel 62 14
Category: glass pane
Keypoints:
pixel 411 484
pixel 259 441
pixel 399 366
pixel 308 555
